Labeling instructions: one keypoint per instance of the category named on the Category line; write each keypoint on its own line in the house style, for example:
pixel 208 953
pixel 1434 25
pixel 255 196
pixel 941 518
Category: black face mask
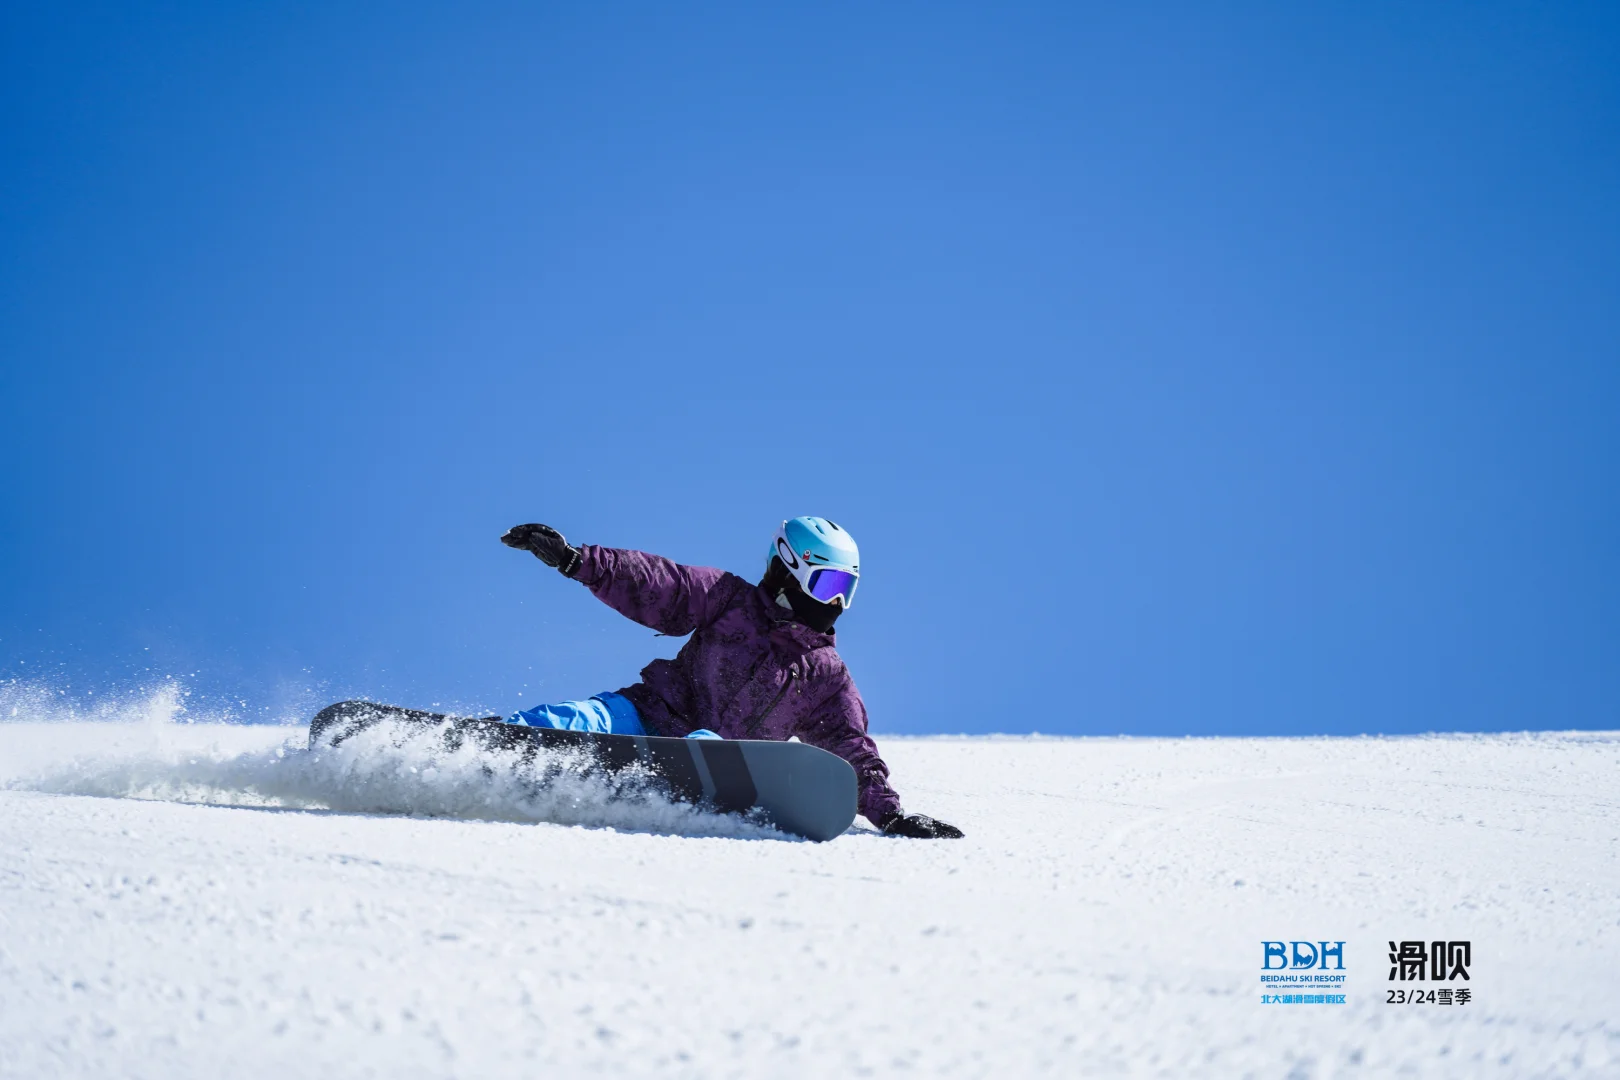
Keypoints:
pixel 810 611
pixel 806 609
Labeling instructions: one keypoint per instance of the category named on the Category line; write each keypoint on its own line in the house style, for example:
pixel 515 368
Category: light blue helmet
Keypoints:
pixel 821 556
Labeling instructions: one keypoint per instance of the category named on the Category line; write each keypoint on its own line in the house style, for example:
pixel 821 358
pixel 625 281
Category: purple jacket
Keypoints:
pixel 748 671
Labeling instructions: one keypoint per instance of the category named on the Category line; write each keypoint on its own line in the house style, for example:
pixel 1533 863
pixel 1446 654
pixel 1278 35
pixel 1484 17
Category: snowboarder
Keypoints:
pixel 761 662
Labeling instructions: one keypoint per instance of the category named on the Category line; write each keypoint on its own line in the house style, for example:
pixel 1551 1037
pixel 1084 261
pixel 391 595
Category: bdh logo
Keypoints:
pixel 1304 955
pixel 1284 979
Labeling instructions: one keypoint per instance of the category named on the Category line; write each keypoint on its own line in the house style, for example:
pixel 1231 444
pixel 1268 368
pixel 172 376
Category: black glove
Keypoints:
pixel 918 827
pixel 547 544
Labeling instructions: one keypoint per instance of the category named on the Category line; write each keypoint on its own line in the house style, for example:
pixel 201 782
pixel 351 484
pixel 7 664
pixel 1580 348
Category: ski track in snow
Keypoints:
pixel 181 900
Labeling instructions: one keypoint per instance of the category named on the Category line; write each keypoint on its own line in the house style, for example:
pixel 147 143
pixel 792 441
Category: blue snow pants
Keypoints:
pixel 604 714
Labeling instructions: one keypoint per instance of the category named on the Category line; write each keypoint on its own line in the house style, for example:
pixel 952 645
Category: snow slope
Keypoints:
pixel 179 901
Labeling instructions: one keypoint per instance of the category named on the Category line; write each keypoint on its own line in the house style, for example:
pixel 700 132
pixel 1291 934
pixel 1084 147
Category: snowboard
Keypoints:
pixel 798 788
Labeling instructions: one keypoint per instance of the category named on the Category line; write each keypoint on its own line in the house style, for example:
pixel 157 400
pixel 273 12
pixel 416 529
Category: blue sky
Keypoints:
pixel 1194 368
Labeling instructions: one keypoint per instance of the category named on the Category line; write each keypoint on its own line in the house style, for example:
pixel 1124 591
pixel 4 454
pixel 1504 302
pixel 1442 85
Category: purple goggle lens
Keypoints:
pixel 828 585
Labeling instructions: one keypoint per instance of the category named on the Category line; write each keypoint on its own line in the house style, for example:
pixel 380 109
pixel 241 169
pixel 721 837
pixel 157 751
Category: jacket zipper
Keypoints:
pixel 752 724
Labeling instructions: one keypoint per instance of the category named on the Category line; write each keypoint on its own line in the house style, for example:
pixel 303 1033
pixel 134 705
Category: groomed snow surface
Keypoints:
pixel 191 900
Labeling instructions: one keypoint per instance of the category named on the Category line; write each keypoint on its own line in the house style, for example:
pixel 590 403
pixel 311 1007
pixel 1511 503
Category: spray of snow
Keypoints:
pixel 150 747
pixel 33 702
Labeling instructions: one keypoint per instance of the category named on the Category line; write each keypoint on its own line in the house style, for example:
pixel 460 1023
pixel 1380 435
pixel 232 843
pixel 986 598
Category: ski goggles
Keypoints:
pixel 827 585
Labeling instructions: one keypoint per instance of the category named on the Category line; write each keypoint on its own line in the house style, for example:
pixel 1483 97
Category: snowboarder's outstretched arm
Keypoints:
pixel 654 591
pixel 839 726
